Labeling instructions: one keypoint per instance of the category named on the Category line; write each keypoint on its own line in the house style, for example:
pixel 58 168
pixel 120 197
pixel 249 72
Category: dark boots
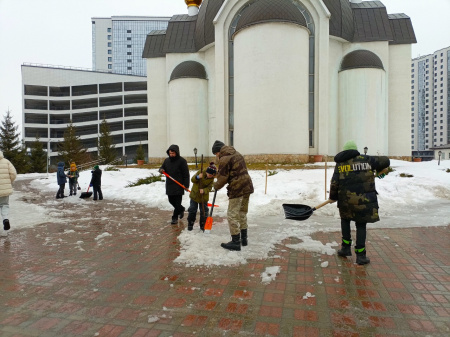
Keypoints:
pixel 244 241
pixel 182 213
pixel 190 225
pixel 361 257
pixel 174 220
pixel 346 248
pixel 234 244
pixel 6 225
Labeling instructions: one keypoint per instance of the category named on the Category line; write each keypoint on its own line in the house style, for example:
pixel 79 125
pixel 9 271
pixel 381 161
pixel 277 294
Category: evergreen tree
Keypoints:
pixel 38 157
pixel 9 138
pixel 10 145
pixel 105 143
pixel 140 153
pixel 71 149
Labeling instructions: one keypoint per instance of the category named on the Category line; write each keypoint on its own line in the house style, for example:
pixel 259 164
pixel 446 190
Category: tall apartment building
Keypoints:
pixel 118 42
pixel 430 102
pixel 52 97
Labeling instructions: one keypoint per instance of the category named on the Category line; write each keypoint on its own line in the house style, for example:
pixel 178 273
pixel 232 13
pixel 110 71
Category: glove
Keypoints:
pixel 381 176
pixel 90 185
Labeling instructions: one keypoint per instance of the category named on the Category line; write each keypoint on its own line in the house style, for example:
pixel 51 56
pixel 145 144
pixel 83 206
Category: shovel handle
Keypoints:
pixel 184 188
pixel 329 201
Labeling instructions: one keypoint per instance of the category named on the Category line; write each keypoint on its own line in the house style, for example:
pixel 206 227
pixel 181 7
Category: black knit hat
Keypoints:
pixel 217 146
pixel 212 169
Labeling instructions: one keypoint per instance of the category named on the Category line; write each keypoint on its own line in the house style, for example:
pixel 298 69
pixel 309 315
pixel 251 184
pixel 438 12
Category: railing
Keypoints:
pixel 90 164
pixel 30 64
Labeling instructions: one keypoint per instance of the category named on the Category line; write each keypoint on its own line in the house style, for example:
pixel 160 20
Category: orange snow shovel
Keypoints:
pixel 208 223
pixel 184 188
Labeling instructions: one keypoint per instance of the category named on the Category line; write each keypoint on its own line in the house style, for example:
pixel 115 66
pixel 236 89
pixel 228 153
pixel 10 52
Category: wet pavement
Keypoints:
pixel 108 270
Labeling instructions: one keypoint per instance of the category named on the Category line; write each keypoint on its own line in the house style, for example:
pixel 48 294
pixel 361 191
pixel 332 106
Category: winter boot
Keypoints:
pixel 190 225
pixel 202 226
pixel 234 244
pixel 361 257
pixel 6 225
pixel 346 248
pixel 182 213
pixel 174 220
pixel 244 241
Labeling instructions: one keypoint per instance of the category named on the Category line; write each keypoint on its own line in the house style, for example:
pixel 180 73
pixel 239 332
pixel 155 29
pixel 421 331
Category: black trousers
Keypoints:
pixel 60 193
pixel 175 201
pixel 202 207
pixel 361 232
pixel 97 190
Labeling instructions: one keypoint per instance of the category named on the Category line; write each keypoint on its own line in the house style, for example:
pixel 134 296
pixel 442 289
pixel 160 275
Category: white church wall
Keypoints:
pixel 335 59
pixel 188 115
pixel 211 133
pixel 271 89
pixel 363 109
pixel 399 100
pixel 157 106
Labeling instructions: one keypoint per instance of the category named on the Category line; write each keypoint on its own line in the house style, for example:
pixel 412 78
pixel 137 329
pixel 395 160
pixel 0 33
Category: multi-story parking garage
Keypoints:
pixel 54 96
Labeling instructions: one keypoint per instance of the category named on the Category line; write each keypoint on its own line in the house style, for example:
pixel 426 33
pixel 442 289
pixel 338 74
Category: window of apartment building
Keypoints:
pixel 441 128
pixel 129 68
pixel 412 120
pixel 412 87
pixel 129 31
pixel 109 51
pixel 109 59
pixel 412 109
pixel 412 142
pixel 442 66
pixel 129 60
pixel 412 70
pixel 108 30
pixel 109 66
pixel 442 115
pixel 412 103
pixel 128 52
pixel 412 76
pixel 412 136
pixel 426 118
pixel 109 44
pixel 441 134
pixel 128 38
pixel 412 125
pixel 412 81
pixel 128 45
pixel 441 139
pixel 109 37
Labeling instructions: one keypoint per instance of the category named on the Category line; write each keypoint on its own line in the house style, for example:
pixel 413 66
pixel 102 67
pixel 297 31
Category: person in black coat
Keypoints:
pixel 96 182
pixel 176 167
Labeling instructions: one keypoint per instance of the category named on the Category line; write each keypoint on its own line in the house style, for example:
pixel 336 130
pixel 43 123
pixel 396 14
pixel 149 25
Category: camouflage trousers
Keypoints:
pixel 237 214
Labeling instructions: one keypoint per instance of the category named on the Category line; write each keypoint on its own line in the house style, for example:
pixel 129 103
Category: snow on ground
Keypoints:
pixel 420 200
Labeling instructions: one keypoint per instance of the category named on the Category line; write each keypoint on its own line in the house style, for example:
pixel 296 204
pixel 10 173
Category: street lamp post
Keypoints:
pixel 195 153
pixel 365 150
pixel 48 154
pixel 439 154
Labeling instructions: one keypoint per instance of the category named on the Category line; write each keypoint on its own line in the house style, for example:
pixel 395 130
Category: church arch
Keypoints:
pixel 188 69
pixel 361 59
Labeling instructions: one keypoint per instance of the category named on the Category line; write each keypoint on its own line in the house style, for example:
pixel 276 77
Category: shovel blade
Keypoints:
pixel 85 195
pixel 208 224
pixel 297 211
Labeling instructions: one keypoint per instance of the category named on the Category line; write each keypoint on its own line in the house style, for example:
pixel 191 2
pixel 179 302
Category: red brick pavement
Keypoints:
pixel 70 284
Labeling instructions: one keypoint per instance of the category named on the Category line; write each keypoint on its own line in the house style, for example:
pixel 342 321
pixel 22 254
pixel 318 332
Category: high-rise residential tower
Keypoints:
pixel 430 102
pixel 118 41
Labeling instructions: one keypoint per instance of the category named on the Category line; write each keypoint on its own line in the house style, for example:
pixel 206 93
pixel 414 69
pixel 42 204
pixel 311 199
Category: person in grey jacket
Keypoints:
pixel 62 179
pixel 7 176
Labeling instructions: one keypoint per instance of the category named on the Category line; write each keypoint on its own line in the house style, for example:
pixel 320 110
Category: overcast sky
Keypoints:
pixel 58 32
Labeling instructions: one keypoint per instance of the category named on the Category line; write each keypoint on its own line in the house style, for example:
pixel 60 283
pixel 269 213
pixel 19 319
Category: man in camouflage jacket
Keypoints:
pixel 353 186
pixel 233 171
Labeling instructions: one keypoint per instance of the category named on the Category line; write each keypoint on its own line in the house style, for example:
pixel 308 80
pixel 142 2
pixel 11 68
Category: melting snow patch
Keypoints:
pixel 324 264
pixel 153 319
pixel 67 231
pixel 315 246
pixel 308 295
pixel 101 236
pixel 270 274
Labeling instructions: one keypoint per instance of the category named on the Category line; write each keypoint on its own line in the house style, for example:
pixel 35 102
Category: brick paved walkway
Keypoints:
pixel 69 280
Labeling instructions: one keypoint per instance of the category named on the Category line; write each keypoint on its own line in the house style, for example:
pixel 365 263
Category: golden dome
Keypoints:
pixel 196 3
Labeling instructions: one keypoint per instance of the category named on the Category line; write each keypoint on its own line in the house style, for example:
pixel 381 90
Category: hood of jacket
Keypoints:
pixel 61 164
pixel 174 148
pixel 346 155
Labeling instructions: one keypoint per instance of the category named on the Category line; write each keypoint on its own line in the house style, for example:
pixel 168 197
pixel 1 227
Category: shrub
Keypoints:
pixel 272 173
pixel 145 181
pixel 406 175
pixel 111 168
pixel 448 171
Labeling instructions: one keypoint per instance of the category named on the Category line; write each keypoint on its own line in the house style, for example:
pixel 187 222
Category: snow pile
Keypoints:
pixel 270 274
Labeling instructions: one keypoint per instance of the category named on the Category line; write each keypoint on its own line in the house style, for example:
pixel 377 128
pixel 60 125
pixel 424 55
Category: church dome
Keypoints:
pixel 193 2
pixel 263 11
pixel 361 59
pixel 204 29
pixel 189 69
pixel 341 20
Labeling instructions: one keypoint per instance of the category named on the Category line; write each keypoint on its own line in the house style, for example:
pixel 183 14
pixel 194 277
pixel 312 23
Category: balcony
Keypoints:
pixel 130 112
pixel 136 124
pixel 60 119
pixel 35 90
pixel 36 132
pixel 60 91
pixel 36 118
pixel 136 137
pixel 110 101
pixel 135 86
pixel 82 90
pixel 59 105
pixel 34 104
pixel 84 103
pixel 85 117
pixel 107 88
pixel 110 114
pixel 135 99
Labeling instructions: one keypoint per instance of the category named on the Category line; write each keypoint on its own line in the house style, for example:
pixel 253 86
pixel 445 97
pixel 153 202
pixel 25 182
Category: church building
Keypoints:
pixel 280 80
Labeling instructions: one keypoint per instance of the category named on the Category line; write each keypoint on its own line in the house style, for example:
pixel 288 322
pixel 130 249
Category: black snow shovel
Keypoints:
pixel 301 212
pixel 79 188
pixel 85 195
